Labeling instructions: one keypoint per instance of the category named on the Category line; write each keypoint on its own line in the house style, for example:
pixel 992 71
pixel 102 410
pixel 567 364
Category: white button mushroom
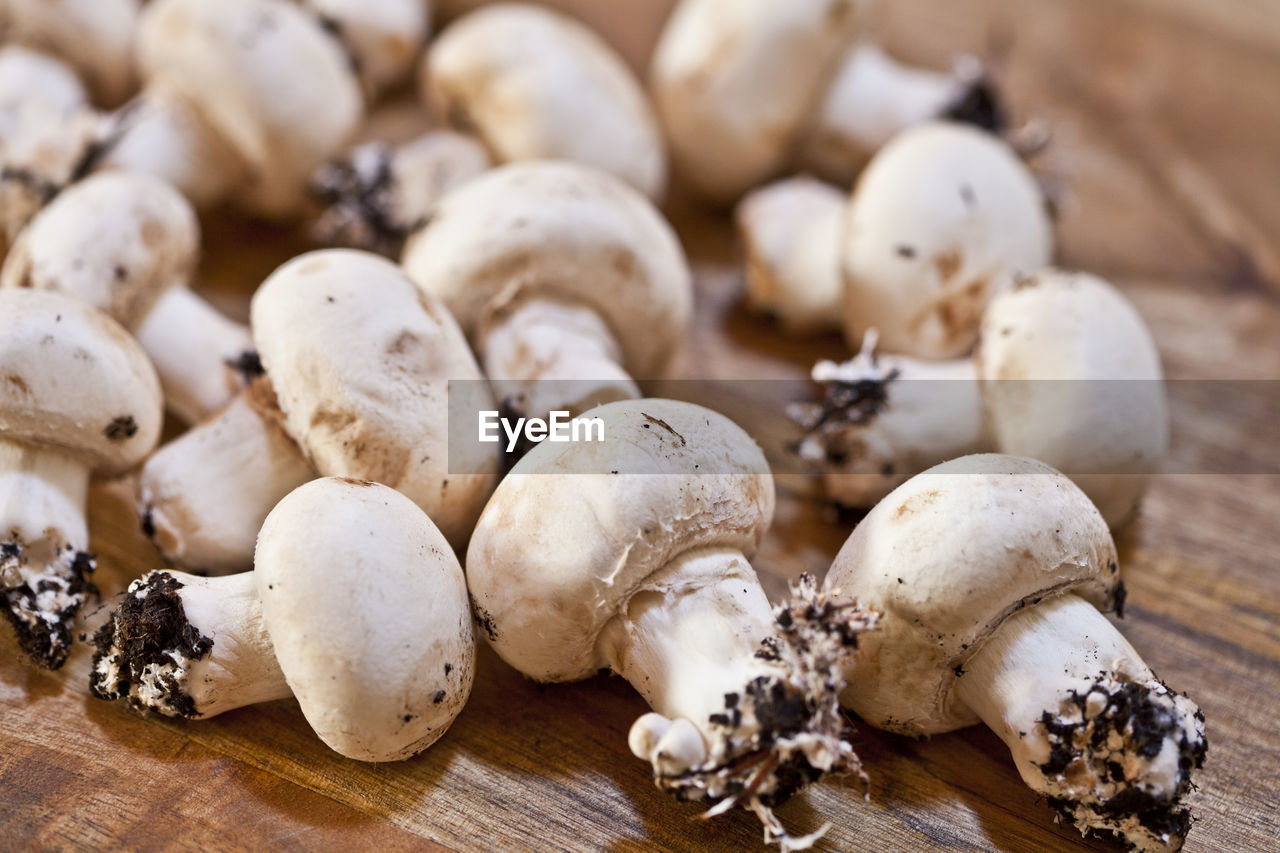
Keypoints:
pixel 567 281
pixel 356 606
pixel 48 134
pixel 990 571
pixel 747 87
pixel 364 369
pixel 77 395
pixel 534 84
pixel 941 215
pixel 378 194
pixel 244 98
pixel 631 554
pixel 94 36
pixel 1066 372
pixel 128 244
pixel 383 37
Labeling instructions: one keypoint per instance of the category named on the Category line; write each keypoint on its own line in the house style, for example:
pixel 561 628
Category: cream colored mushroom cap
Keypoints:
pixel 266 77
pixel 384 36
pixel 535 84
pixel 575 529
pixel 367 610
pixel 28 75
pixel 946 557
pixel 736 80
pixel 115 240
pixel 93 36
pixel 562 231
pixel 362 364
pixel 72 379
pixel 938 219
pixel 1108 426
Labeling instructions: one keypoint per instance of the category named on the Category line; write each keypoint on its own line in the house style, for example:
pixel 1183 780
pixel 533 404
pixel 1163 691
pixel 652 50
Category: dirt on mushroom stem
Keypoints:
pixel 785 729
pixel 41 601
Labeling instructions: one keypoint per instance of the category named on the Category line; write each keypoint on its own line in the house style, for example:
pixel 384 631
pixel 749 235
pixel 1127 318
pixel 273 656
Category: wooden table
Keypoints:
pixel 1167 123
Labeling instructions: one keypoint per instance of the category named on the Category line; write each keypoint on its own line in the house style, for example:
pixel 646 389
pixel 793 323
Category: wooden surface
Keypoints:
pixel 1167 124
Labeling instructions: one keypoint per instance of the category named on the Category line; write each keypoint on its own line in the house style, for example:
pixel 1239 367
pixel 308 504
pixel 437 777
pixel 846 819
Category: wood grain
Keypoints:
pixel 1168 134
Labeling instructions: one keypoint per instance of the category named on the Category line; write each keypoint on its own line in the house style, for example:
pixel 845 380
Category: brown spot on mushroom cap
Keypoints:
pixel 948 263
pixel 914 504
pixel 18 384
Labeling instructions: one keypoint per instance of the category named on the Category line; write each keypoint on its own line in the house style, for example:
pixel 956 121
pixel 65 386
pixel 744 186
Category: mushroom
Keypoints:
pixel 77 396
pixel 990 571
pixel 1066 372
pixel 243 99
pixel 48 134
pixel 935 222
pixel 378 194
pixel 93 36
pixel 382 37
pixel 515 82
pixel 127 244
pixel 746 88
pixel 361 371
pixel 356 606
pixel 632 554
pixel 534 84
pixel 567 281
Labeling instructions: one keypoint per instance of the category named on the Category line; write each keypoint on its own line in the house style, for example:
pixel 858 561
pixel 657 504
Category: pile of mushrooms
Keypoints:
pixel 506 83
pixel 329 479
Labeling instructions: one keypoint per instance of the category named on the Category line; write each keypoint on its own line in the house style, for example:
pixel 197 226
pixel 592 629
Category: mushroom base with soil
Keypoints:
pixel 1090 727
pixel 160 650
pixel 746 702
pixel 44 568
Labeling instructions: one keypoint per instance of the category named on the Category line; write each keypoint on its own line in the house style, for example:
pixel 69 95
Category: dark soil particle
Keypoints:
pixel 1118 599
pixel 438 697
pixel 148 522
pixel 248 365
pixel 979 105
pixel 145 630
pixel 484 620
pixel 121 428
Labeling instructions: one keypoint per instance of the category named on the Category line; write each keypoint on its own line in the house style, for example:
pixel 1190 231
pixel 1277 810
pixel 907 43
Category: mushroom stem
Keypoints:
pixel 376 195
pixel 161 134
pixel 43 534
pixel 1090 727
pixel 873 97
pixel 204 495
pixel 544 355
pixel 187 646
pixel 195 350
pixel 745 701
pixel 884 418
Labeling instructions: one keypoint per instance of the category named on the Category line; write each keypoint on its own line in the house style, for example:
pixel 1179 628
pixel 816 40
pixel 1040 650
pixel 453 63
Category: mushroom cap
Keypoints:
pixel 383 36
pixel 791 232
pixel 946 557
pixel 115 240
pixel 575 529
pixel 367 610
pixel 535 84
pixel 266 77
pixel 1106 434
pixel 938 219
pixel 71 378
pixel 28 75
pixel 362 363
pixel 735 82
pixel 563 231
pixel 93 36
